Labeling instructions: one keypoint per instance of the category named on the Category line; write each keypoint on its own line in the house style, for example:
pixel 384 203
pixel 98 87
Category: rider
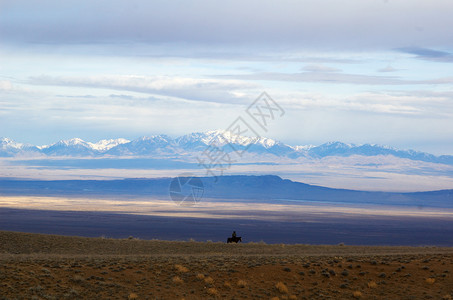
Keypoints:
pixel 234 234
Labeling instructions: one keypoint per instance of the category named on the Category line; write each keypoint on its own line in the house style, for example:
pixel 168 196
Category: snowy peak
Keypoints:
pixel 79 147
pixel 8 143
pixel 337 145
pixel 9 148
pixel 161 138
pixel 303 148
pixel 222 137
pixel 73 142
pixel 143 146
pixel 77 142
pixel 193 144
pixel 72 147
pixel 104 145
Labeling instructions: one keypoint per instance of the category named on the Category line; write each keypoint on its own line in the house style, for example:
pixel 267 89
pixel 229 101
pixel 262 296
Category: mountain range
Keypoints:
pixel 194 143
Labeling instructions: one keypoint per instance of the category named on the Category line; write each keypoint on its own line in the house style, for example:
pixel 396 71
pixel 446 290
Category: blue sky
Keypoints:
pixel 355 71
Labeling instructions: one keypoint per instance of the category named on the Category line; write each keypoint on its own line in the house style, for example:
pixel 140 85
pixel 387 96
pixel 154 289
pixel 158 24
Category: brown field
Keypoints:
pixel 34 266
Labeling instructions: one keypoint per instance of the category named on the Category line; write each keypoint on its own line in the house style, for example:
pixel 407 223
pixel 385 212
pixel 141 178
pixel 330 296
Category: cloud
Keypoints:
pixel 6 85
pixel 207 90
pixel 337 78
pixel 429 54
pixel 319 68
pixel 417 104
pixel 331 24
pixel 388 69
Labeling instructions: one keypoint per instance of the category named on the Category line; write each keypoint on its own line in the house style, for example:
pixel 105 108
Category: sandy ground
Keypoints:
pixel 34 266
pixel 209 208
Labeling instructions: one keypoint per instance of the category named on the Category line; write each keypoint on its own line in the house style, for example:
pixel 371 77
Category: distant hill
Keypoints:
pixel 241 188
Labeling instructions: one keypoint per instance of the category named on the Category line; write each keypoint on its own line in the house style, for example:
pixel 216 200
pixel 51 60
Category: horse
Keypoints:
pixel 234 239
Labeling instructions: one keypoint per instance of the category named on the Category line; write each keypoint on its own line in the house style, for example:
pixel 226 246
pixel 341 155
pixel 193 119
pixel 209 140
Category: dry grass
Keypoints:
pixel 281 287
pixel 78 279
pixel 242 283
pixel 209 280
pixel 177 280
pixel 357 294
pixel 181 269
pixel 27 243
pixel 243 271
pixel 212 292
pixel 132 296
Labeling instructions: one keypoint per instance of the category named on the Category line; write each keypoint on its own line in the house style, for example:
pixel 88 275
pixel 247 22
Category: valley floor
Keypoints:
pixel 35 266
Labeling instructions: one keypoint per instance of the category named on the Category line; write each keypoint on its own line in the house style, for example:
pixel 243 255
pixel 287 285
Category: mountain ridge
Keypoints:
pixel 247 188
pixel 194 143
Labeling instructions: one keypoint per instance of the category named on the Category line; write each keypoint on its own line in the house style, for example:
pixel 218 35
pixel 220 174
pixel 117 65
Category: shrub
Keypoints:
pixel 177 280
pixel 281 287
pixel 72 293
pixel 78 279
pixel 132 296
pixel 212 291
pixel 242 283
pixel 430 280
pixel 357 294
pixel 181 269
pixel 372 285
pixel 200 276
pixel 209 280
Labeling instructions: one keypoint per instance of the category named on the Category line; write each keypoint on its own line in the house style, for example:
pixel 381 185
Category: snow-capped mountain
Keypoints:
pixel 225 139
pixel 9 147
pixel 72 147
pixel 193 144
pixel 79 147
pixel 104 145
pixel 157 144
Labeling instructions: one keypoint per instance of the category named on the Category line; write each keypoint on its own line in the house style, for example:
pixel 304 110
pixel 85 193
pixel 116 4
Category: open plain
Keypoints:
pixel 36 266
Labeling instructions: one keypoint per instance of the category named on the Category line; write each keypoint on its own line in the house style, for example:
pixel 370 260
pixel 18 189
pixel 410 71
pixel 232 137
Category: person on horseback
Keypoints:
pixel 234 238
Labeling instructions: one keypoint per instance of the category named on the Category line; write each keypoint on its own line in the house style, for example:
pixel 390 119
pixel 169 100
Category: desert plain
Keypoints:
pixel 38 266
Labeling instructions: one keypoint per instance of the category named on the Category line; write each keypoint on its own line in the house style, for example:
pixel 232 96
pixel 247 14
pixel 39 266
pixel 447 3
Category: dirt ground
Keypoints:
pixel 34 266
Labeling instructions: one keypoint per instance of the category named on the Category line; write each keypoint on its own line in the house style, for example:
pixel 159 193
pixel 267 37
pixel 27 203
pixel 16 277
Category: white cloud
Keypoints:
pixel 209 90
pixel 319 68
pixel 388 69
pixel 408 103
pixel 6 85
pixel 339 78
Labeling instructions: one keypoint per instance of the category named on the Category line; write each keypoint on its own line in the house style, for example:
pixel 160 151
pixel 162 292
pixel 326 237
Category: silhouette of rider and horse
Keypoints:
pixel 234 238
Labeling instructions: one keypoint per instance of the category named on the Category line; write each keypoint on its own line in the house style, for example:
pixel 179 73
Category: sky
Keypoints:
pixel 342 70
